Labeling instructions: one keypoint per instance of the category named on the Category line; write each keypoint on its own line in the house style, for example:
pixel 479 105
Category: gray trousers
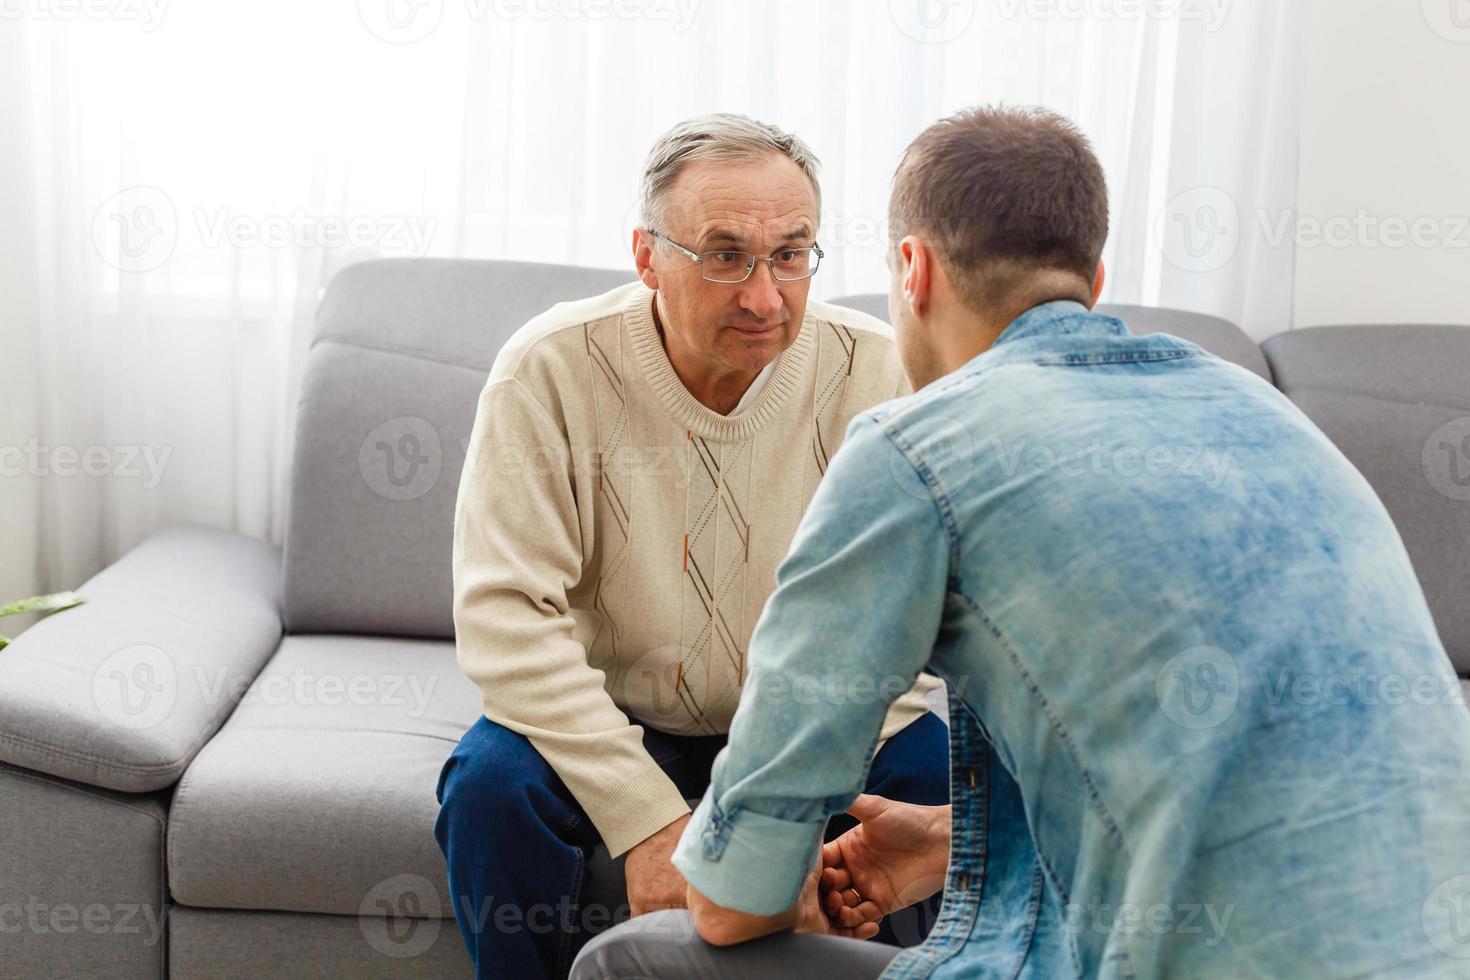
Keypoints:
pixel 664 946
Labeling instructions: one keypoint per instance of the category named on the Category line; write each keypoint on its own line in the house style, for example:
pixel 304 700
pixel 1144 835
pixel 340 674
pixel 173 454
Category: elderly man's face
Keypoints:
pixel 753 207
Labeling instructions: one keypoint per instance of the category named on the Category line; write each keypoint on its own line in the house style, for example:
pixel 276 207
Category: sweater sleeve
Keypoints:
pixel 517 552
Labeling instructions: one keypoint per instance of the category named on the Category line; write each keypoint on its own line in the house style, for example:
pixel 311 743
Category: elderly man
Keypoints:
pixel 638 466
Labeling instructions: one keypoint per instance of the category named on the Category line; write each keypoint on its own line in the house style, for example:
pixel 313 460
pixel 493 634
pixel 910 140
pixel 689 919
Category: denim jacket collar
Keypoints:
pixel 1059 317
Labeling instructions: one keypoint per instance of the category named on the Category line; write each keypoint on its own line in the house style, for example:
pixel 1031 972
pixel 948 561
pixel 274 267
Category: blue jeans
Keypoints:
pixel 517 842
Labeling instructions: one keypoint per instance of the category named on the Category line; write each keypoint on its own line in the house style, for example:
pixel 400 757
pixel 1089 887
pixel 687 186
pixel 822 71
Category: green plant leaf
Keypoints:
pixel 4 642
pixel 54 602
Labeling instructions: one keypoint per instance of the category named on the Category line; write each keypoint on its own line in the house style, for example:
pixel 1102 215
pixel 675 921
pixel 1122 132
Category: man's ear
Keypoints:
pixel 1097 284
pixel 643 244
pixel 918 266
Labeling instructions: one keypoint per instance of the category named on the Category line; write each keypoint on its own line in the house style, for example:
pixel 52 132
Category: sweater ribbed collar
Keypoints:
pixel 687 410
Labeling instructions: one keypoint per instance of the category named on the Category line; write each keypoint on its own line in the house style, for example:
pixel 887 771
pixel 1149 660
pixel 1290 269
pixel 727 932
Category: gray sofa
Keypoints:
pixel 223 764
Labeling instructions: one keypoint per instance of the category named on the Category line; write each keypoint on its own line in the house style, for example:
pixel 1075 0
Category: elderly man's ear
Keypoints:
pixel 643 257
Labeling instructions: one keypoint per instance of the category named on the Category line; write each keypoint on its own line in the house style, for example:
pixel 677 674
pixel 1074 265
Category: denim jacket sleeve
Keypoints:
pixel 852 622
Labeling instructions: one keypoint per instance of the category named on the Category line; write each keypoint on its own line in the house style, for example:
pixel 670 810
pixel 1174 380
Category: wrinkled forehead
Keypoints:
pixel 752 205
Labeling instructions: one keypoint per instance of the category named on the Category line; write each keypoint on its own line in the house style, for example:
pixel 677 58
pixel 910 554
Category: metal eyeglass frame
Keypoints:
pixel 751 257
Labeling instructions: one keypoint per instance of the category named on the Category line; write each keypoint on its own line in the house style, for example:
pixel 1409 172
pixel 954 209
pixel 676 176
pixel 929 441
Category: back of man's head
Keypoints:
pixel 1008 197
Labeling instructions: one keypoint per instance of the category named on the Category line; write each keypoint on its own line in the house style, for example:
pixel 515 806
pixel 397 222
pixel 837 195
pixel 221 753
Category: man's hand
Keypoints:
pixel 725 927
pixel 653 881
pixel 896 855
pixel 814 919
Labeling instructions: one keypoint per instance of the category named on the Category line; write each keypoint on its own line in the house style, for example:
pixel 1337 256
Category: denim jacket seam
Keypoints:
pixel 1066 738
pixel 1033 915
pixel 1084 358
pixel 961 904
pixel 937 497
pixel 1046 866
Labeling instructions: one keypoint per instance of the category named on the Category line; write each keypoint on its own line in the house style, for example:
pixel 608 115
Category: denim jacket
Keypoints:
pixel 1201 724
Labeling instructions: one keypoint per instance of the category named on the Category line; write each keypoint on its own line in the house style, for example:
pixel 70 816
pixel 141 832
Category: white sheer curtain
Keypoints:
pixel 179 183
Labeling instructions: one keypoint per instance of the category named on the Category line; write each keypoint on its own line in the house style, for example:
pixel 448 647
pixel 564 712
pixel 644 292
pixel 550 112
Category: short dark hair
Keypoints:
pixel 1001 193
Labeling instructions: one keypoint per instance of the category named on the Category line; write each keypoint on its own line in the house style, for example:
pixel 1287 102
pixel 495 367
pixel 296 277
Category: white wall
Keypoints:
pixel 1385 141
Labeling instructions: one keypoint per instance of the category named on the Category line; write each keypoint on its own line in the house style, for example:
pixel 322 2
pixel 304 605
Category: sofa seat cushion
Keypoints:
pixel 318 793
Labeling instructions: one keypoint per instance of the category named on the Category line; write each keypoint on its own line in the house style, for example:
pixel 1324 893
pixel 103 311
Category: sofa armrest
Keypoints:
pixel 123 690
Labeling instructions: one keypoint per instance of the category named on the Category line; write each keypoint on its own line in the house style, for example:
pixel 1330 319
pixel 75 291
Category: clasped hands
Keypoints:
pixel 896 856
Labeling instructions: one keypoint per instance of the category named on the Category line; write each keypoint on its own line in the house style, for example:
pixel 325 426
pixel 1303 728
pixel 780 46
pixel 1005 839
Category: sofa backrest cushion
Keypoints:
pixel 1396 400
pixel 400 353
pixel 1220 337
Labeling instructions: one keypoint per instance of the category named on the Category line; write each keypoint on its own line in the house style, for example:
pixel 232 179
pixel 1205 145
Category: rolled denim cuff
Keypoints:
pixel 745 860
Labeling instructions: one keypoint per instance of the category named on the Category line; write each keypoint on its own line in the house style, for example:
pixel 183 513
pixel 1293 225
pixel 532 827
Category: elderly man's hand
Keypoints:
pixel 725 927
pixel 896 855
pixel 653 881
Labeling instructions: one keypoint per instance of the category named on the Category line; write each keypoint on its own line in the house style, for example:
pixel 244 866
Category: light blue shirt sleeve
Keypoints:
pixel 852 622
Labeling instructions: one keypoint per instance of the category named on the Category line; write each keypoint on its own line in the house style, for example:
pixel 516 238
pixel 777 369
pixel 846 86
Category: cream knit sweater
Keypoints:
pixel 615 540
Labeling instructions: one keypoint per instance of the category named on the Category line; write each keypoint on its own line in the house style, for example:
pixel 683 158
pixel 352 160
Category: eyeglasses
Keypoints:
pixel 729 265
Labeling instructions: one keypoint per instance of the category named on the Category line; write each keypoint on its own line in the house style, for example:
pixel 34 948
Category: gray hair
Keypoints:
pixel 724 137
